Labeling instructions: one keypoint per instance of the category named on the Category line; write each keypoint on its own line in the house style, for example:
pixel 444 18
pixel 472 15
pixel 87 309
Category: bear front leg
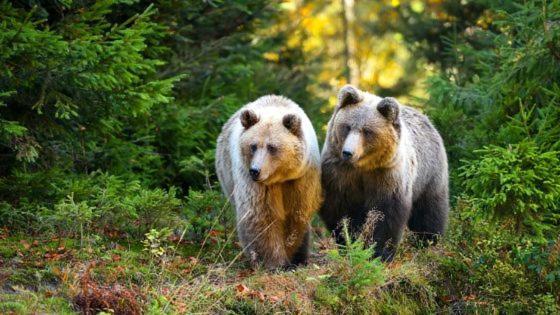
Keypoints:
pixel 388 229
pixel 301 256
pixel 333 211
pixel 264 244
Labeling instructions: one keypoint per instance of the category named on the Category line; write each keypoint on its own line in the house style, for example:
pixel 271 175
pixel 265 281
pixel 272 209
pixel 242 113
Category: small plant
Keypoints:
pixel 354 272
pixel 206 212
pixel 153 208
pixel 75 216
pixel 543 260
pixel 155 243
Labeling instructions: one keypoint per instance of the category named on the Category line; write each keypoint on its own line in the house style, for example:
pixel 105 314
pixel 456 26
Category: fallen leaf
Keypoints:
pixel 241 288
pixel 259 295
pixel 25 244
pixel 448 298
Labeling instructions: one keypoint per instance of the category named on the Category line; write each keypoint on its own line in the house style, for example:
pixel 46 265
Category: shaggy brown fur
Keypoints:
pixel 267 161
pixel 384 157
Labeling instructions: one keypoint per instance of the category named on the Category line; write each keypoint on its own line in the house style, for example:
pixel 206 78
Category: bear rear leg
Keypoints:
pixel 428 219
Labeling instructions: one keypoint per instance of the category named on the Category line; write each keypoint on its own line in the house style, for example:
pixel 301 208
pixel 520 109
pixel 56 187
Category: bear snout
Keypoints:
pixel 352 147
pixel 255 173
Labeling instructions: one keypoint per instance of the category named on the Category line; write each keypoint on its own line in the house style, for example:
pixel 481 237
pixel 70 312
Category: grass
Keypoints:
pixel 122 275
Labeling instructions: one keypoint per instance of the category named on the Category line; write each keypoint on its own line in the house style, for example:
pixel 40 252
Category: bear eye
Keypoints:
pixel 253 148
pixel 272 149
pixel 368 132
pixel 346 128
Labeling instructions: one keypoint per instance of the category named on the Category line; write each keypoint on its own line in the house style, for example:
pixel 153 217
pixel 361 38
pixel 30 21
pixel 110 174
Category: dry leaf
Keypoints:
pixel 274 298
pixel 25 244
pixel 241 288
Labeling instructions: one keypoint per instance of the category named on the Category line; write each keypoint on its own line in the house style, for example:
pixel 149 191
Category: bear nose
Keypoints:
pixel 254 172
pixel 346 154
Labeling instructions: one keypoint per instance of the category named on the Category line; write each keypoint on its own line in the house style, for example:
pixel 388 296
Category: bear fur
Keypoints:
pixel 386 157
pixel 268 164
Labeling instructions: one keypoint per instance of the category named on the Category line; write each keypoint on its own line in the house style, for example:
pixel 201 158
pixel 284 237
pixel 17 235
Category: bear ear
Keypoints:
pixel 293 124
pixel 348 95
pixel 248 118
pixel 389 108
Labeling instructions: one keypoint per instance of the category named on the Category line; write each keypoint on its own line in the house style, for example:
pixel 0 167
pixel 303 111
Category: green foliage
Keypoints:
pixel 433 29
pixel 76 89
pixel 496 268
pixel 496 103
pixel 517 182
pixel 207 211
pixel 72 205
pixel 353 272
pixel 543 260
pixel 85 89
pixel 155 243
pixel 124 205
pixel 517 72
pixel 499 92
pixel 75 216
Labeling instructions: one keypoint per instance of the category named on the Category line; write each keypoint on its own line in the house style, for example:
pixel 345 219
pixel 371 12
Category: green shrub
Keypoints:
pixel 112 203
pixel 518 182
pixel 73 83
pixel 74 217
pixel 543 260
pixel 156 245
pixel 496 104
pixel 208 210
pixel 353 272
pixel 490 269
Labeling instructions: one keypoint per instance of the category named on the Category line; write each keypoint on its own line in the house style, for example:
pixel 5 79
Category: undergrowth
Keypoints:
pixel 475 268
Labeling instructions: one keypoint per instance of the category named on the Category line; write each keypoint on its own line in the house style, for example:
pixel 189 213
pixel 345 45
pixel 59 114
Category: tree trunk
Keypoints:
pixel 351 71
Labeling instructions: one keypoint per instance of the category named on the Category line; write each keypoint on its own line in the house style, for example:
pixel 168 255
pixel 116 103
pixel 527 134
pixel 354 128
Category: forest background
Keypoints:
pixel 110 110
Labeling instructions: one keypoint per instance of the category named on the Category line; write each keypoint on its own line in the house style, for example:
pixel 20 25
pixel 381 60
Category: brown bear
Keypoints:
pixel 388 158
pixel 268 164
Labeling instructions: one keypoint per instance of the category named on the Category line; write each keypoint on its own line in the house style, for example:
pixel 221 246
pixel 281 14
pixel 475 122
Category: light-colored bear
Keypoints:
pixel 268 164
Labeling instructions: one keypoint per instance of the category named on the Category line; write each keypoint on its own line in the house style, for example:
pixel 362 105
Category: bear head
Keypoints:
pixel 272 146
pixel 365 129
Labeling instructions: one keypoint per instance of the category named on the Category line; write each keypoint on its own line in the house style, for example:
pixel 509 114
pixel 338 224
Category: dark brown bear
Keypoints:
pixel 384 157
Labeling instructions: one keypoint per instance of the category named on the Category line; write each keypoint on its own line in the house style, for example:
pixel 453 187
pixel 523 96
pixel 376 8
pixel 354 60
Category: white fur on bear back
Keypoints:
pixel 270 107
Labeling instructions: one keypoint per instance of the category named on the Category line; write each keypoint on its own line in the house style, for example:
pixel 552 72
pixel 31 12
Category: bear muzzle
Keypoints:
pixel 352 148
pixel 255 173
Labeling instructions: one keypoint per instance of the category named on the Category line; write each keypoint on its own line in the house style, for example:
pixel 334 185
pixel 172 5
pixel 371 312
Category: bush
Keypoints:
pixel 73 84
pixel 208 212
pixel 113 204
pixel 353 272
pixel 518 182
pixel 489 269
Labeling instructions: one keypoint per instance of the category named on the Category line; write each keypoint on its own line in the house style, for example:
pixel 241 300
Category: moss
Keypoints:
pixel 34 303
